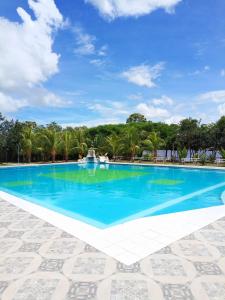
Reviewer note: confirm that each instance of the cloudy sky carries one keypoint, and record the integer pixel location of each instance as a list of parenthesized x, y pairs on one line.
[(89, 62)]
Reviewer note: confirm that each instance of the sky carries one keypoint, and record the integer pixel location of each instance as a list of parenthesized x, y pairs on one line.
[(91, 62)]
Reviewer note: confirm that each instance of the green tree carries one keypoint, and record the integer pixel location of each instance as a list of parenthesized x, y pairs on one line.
[(67, 141), (182, 153), (222, 153), (131, 142), (155, 142), (220, 132), (203, 159), (189, 134), (136, 118), (81, 142), (50, 142), (114, 144), (27, 140)]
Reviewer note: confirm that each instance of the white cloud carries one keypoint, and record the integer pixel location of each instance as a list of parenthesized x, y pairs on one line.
[(93, 123), (86, 46), (143, 75), (222, 73), (205, 69), (26, 51), (9, 104), (214, 96), (103, 50), (152, 112), (32, 97), (134, 8), (221, 109), (174, 119), (27, 59), (97, 62), (112, 109), (164, 100), (137, 96), (44, 97), (85, 42)]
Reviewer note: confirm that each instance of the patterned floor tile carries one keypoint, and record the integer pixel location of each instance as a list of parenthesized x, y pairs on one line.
[(89, 266), (209, 288), (9, 245), (134, 268), (195, 250), (89, 248), (165, 250), (15, 265), (41, 286), (177, 292), (169, 268), (41, 262), (62, 248), (82, 291), (30, 247), (14, 234), (4, 224), (41, 234), (212, 236), (221, 249), (207, 268), (3, 286), (51, 265), (214, 290), (129, 287)]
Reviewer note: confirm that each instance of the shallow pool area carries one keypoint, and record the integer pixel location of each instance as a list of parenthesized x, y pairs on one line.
[(106, 195)]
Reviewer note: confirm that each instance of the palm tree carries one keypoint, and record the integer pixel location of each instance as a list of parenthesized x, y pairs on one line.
[(50, 139), (114, 144), (155, 141), (80, 142), (27, 142), (66, 143), (131, 141), (182, 153)]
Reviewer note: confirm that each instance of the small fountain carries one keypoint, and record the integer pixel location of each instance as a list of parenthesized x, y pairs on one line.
[(91, 158)]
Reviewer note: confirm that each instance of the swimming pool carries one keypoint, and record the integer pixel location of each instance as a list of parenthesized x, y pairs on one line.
[(105, 195)]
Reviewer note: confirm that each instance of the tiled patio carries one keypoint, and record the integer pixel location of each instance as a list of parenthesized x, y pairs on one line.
[(41, 262)]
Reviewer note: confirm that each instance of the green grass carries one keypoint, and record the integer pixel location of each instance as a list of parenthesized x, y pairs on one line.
[(17, 183), (96, 176), (166, 182)]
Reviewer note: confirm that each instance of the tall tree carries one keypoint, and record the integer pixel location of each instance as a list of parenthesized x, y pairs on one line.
[(50, 141), (155, 141), (131, 141), (136, 118), (27, 140), (66, 143), (188, 134), (81, 141), (114, 144)]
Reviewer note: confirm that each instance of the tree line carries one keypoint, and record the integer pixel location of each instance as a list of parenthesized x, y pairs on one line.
[(30, 142)]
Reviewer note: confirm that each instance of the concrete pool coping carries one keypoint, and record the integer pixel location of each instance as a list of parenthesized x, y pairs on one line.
[(127, 242), (131, 241), (210, 167)]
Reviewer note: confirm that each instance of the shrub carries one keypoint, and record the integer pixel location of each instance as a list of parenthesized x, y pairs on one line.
[(203, 159), (182, 153), (212, 158)]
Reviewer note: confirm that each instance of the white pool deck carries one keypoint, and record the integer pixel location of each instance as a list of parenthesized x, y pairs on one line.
[(133, 240)]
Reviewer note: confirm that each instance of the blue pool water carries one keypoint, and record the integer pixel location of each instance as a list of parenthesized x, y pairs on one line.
[(107, 195)]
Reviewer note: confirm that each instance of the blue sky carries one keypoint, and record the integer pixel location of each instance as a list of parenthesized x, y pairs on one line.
[(90, 62)]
